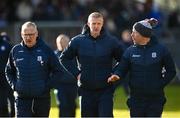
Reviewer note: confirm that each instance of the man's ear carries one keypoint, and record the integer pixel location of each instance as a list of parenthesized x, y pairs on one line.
[(88, 24), (37, 33)]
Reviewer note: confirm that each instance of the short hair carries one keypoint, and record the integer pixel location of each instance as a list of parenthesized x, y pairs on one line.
[(61, 41), (29, 24), (95, 15), (62, 37)]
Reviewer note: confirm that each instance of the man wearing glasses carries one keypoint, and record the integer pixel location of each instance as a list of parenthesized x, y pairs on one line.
[(31, 69)]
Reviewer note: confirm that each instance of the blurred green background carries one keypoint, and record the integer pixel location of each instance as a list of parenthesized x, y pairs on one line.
[(171, 109)]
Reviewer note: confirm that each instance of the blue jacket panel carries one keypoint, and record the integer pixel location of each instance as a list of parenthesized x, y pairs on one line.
[(5, 48), (33, 71), (95, 57), (151, 67)]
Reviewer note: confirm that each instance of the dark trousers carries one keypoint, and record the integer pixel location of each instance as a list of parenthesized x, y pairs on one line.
[(3, 104), (146, 107), (97, 103), (66, 99), (32, 107), (11, 102), (4, 92)]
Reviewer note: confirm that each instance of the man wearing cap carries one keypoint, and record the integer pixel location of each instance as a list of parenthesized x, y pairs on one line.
[(151, 68)]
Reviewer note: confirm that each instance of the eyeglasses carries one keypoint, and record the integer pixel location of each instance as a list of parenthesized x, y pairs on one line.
[(29, 35)]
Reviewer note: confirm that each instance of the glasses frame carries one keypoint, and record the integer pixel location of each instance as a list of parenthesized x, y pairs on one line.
[(28, 35)]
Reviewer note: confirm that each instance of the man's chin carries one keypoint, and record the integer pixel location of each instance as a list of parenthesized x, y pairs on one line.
[(29, 45)]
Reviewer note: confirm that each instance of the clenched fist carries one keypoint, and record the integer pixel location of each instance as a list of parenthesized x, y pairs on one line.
[(113, 78)]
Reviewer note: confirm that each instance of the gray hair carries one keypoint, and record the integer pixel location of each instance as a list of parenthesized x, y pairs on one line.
[(95, 15), (29, 24)]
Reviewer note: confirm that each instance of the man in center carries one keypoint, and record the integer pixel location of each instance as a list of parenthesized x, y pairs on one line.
[(95, 50)]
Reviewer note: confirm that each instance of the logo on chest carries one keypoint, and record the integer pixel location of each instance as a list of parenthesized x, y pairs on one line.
[(136, 55), (3, 48), (40, 60), (154, 54), (19, 59)]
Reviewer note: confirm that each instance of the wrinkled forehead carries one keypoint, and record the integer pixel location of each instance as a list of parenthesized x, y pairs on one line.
[(95, 16), (28, 29), (93, 19)]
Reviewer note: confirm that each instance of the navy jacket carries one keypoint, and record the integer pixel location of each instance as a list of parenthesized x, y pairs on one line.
[(5, 48), (151, 68), (73, 80), (31, 72), (95, 57)]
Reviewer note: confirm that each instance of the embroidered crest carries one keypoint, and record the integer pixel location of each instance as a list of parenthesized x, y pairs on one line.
[(39, 58), (3, 48), (154, 54)]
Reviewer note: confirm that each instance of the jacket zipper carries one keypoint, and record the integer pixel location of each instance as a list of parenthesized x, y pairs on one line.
[(144, 60), (94, 44), (30, 62)]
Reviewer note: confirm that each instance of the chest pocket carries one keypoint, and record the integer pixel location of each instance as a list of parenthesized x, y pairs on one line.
[(39, 59), (137, 58), (21, 60), (29, 60), (153, 57), (146, 58)]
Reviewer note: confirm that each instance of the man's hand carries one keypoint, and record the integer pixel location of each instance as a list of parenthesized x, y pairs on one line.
[(79, 76), (113, 78)]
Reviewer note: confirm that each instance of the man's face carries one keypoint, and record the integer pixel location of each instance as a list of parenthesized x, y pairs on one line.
[(29, 35), (95, 25), (136, 37)]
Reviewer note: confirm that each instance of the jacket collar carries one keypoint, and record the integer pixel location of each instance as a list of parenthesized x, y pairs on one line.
[(86, 31), (38, 43)]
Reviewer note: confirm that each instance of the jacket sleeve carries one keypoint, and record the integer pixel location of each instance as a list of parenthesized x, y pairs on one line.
[(123, 66), (10, 71), (170, 70), (118, 50), (68, 55), (59, 73)]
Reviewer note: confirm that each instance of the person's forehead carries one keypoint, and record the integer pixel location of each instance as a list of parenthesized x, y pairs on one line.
[(93, 19), (28, 29)]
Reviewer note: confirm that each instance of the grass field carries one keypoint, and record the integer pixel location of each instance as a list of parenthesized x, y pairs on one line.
[(171, 109)]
